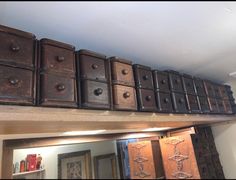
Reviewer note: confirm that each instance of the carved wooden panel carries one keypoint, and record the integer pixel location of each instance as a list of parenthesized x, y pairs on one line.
[(178, 158)]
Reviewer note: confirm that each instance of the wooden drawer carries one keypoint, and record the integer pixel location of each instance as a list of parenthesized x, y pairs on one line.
[(57, 57), (179, 103), (203, 170), (124, 98), (193, 104), (143, 77), (122, 72), (57, 91), (175, 79), (161, 81), (209, 88), (16, 49), (213, 105), (146, 100), (199, 87), (164, 102), (17, 86), (188, 84), (223, 92), (204, 104), (227, 106), (93, 66), (220, 106), (216, 88), (95, 95)]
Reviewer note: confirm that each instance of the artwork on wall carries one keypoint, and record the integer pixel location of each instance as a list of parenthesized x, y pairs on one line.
[(105, 166), (74, 165)]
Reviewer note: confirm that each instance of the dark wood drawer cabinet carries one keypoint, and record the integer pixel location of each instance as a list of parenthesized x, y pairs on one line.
[(175, 79), (122, 72), (146, 100), (188, 84), (57, 91), (57, 59), (216, 88), (124, 97), (164, 102), (199, 87), (204, 104), (223, 92), (93, 65), (193, 104), (17, 85), (95, 94), (179, 102), (209, 88), (220, 105), (143, 77), (17, 48), (161, 81), (57, 83), (213, 105), (227, 106)]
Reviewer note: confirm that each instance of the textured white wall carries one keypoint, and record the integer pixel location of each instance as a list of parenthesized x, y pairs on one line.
[(225, 136), (49, 154)]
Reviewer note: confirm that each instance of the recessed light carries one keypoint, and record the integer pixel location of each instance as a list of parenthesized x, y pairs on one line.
[(156, 129), (73, 133)]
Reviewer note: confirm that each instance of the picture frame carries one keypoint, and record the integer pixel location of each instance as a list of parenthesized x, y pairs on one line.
[(105, 166), (75, 165)]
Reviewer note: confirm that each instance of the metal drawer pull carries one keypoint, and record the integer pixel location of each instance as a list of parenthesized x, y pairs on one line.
[(177, 81), (148, 98), (125, 71), (163, 81), (94, 66), (13, 81), (60, 58), (145, 77), (98, 91), (61, 87), (166, 100), (126, 95), (181, 100), (15, 48)]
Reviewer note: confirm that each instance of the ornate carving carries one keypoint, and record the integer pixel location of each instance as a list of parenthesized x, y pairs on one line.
[(139, 159)]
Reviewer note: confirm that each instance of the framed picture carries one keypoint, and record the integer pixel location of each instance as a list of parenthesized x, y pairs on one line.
[(105, 166), (75, 165)]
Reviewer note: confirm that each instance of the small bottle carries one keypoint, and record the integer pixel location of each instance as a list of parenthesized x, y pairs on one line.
[(22, 166), (38, 161)]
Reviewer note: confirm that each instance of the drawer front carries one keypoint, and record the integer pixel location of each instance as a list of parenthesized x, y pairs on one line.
[(58, 91), (204, 104), (143, 78), (57, 59), (16, 50), (220, 105), (17, 85), (227, 107), (124, 98), (122, 74), (199, 87), (213, 105), (176, 83), (223, 92), (217, 91), (189, 86), (161, 82), (180, 104), (209, 89), (93, 68), (193, 103), (146, 100), (164, 102), (95, 95), (203, 170)]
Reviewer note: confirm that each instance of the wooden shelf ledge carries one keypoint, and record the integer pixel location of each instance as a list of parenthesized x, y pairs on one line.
[(26, 119)]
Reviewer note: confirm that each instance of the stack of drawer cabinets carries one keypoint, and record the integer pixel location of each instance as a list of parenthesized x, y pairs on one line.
[(93, 75), (52, 73), (145, 88), (17, 67), (124, 94), (57, 81)]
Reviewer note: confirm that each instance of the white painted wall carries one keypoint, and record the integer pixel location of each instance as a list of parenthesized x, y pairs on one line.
[(49, 154), (225, 136)]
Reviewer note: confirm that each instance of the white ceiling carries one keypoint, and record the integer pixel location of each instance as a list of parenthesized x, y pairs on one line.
[(198, 38)]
